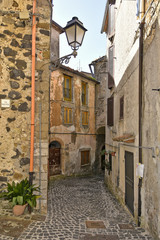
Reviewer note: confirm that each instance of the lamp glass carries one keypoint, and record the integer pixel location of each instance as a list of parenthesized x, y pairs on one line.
[(79, 35), (75, 33)]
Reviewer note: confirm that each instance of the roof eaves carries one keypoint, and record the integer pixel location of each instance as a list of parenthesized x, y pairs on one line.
[(79, 73), (57, 27), (105, 17)]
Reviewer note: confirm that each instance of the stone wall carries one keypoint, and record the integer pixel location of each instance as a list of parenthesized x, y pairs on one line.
[(15, 82), (100, 72), (151, 132)]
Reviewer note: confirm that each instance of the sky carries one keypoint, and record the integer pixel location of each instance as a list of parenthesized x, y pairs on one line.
[(90, 13)]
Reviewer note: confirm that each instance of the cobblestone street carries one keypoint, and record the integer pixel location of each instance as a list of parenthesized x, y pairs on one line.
[(82, 208)]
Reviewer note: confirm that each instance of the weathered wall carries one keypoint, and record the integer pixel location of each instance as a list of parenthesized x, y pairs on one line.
[(128, 125), (151, 132), (74, 137), (15, 82), (126, 25)]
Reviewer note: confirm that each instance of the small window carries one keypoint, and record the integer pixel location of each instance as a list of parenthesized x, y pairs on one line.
[(84, 93), (84, 118), (110, 111), (111, 67), (67, 115), (67, 88), (122, 107), (85, 157)]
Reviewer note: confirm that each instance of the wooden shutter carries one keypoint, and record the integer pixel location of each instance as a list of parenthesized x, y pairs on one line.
[(121, 107), (110, 111), (111, 67), (111, 21)]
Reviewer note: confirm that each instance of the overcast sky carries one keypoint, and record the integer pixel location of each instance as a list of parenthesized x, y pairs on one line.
[(91, 13)]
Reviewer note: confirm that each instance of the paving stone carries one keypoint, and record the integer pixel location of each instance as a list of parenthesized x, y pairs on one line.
[(72, 202)]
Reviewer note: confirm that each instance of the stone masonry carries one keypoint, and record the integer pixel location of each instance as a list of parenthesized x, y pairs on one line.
[(15, 90)]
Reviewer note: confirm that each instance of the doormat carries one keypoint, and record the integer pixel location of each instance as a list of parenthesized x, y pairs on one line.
[(38, 217), (125, 226), (99, 237), (95, 224), (12, 227)]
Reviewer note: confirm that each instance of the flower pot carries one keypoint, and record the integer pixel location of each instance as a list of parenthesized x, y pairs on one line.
[(19, 209)]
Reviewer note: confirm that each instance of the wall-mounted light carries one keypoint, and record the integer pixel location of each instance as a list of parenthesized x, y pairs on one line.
[(75, 32)]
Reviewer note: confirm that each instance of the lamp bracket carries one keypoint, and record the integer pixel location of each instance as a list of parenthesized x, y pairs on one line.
[(55, 64)]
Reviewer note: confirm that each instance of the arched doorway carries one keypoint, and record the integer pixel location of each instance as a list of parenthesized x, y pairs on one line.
[(54, 158)]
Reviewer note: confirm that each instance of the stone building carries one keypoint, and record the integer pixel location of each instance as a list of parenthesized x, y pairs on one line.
[(99, 71), (132, 123), (72, 122), (15, 91)]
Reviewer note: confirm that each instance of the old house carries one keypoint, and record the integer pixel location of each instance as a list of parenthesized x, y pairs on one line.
[(24, 119), (132, 129), (72, 122)]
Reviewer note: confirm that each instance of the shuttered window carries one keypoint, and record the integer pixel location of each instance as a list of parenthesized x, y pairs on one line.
[(84, 93), (67, 88), (67, 115), (111, 21), (110, 111), (122, 107), (111, 67), (85, 159), (84, 118)]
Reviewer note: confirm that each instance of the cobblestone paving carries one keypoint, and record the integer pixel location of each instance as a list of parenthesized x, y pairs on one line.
[(73, 201)]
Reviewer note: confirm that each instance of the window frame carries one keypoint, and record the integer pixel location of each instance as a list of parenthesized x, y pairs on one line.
[(85, 87), (65, 88), (85, 119), (67, 119), (121, 111), (110, 111)]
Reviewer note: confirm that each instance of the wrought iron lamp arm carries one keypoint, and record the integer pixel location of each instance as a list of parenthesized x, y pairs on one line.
[(65, 59)]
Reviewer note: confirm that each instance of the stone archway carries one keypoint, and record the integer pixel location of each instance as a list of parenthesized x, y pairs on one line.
[(100, 143), (54, 158)]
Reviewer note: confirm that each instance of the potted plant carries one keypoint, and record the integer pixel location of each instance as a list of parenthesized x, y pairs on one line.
[(21, 194)]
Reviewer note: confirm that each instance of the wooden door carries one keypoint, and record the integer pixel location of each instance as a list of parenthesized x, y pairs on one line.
[(54, 161), (129, 181)]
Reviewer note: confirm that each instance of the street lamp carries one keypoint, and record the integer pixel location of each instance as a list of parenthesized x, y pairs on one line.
[(75, 32)]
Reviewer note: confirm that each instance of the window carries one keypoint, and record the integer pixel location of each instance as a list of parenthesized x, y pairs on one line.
[(84, 118), (85, 157), (84, 93), (110, 111), (122, 107), (111, 67), (111, 21), (67, 89), (67, 115)]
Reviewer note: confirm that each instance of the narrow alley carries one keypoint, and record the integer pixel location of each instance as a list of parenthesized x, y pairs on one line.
[(82, 208)]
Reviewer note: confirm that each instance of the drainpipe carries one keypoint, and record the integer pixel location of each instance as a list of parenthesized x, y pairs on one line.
[(33, 94), (140, 105)]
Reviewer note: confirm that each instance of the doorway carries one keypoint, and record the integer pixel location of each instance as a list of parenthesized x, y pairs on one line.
[(129, 181), (54, 158)]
